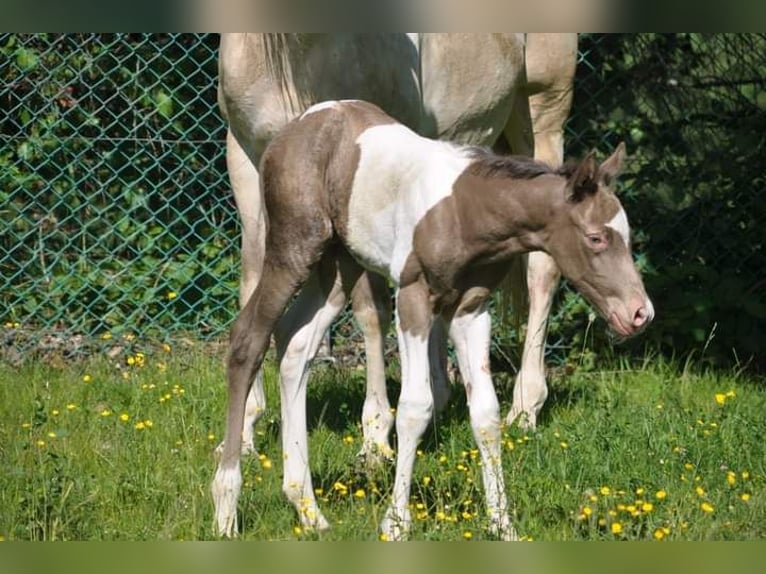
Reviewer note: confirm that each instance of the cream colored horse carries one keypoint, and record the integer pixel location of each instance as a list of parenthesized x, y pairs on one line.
[(466, 88)]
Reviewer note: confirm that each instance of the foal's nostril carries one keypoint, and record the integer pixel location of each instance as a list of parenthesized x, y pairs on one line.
[(641, 316)]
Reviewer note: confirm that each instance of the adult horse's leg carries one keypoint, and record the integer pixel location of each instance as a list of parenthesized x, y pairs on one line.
[(250, 337), (530, 389), (245, 184), (371, 303), (298, 338), (470, 331), (540, 111), (416, 404)]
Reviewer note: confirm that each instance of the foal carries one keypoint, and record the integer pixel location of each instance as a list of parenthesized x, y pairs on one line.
[(348, 189)]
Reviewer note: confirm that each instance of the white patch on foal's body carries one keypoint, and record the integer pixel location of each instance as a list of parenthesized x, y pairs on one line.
[(400, 176), (620, 224), (330, 104)]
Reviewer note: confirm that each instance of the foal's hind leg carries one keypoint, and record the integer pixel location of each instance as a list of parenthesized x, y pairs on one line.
[(246, 186), (298, 338), (250, 338), (371, 302)]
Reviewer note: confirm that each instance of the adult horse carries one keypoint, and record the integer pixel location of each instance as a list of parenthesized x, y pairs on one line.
[(347, 190), (467, 88)]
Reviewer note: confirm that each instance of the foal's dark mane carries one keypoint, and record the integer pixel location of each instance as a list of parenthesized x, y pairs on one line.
[(489, 164)]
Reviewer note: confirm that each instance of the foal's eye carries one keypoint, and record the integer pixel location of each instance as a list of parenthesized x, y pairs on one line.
[(597, 240)]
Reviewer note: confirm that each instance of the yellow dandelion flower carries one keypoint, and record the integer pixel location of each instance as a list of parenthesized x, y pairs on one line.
[(383, 537), (71, 406), (26, 425), (700, 491), (605, 491), (745, 497), (106, 413), (659, 534), (467, 535), (171, 295), (131, 361), (166, 347), (360, 493), (51, 434), (745, 475), (266, 464), (564, 444), (211, 436), (730, 394), (688, 466), (720, 398), (640, 491), (348, 439), (87, 379), (731, 478), (340, 487), (426, 480), (106, 336), (616, 528), (297, 530), (124, 417), (140, 425), (55, 412), (707, 507), (40, 443), (647, 507), (587, 510), (593, 498)]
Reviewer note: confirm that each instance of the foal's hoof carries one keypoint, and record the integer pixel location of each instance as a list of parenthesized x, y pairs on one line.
[(375, 455)]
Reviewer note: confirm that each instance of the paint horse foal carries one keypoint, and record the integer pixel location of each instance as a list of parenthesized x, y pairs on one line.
[(473, 89), (347, 188)]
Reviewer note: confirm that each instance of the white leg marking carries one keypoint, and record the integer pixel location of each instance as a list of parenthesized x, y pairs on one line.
[(412, 417), (470, 334), (377, 419), (530, 389), (297, 343), (226, 487)]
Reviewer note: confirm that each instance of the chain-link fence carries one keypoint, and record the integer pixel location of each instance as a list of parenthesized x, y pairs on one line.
[(115, 212), (116, 219)]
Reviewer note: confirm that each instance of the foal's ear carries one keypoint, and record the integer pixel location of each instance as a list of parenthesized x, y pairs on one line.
[(612, 166), (582, 182)]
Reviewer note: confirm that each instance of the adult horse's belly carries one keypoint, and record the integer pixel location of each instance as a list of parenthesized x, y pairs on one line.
[(469, 82)]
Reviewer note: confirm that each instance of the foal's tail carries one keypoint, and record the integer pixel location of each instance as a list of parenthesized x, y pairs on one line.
[(514, 298)]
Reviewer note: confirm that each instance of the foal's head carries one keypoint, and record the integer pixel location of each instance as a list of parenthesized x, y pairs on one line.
[(591, 244)]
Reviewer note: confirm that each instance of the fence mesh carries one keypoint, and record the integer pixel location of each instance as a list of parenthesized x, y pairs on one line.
[(117, 220)]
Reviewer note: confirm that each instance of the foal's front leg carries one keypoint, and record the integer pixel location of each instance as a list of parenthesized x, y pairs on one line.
[(416, 404), (470, 333)]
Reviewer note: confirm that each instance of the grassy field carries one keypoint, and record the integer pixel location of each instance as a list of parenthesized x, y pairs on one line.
[(122, 449)]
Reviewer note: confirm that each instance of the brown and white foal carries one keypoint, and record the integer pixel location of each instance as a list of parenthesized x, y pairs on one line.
[(348, 189)]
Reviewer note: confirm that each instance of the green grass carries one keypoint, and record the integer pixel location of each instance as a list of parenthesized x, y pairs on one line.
[(609, 441)]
